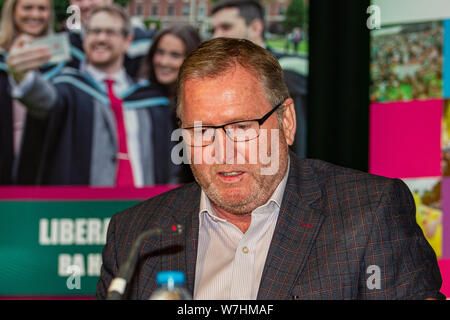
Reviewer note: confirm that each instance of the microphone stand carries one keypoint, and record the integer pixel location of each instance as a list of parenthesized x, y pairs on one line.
[(117, 287)]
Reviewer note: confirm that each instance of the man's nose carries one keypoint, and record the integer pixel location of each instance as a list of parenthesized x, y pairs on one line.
[(223, 147), (101, 36)]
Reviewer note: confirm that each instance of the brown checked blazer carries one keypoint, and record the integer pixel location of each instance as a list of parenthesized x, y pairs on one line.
[(334, 225)]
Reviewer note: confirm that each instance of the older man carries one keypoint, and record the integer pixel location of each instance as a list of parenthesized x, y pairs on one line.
[(104, 129), (299, 229)]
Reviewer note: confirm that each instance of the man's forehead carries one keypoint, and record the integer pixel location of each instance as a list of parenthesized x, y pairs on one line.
[(103, 18), (229, 14), (237, 78), (236, 88)]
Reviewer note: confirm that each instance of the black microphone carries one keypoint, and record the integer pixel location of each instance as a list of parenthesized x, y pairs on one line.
[(117, 287)]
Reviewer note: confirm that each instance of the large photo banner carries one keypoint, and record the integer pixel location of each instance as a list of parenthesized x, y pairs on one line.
[(409, 114), (63, 167)]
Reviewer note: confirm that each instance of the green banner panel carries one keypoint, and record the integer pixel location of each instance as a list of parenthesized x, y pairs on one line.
[(53, 247)]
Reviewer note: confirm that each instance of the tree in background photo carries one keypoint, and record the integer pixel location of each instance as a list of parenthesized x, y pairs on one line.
[(296, 25)]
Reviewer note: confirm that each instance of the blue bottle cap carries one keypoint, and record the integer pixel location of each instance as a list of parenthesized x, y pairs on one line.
[(170, 277)]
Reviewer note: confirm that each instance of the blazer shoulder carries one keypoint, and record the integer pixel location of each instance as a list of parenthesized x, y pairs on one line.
[(330, 172), (346, 190)]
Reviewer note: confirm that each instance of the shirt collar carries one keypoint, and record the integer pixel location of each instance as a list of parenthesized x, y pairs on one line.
[(99, 76), (276, 198)]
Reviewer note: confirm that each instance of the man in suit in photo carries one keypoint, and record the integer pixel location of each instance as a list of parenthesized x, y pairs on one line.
[(103, 128), (299, 229), (135, 52)]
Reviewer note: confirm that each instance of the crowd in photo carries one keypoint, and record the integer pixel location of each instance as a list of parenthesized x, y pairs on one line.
[(102, 116), (407, 63)]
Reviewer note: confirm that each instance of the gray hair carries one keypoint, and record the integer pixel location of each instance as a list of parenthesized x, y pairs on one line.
[(215, 57)]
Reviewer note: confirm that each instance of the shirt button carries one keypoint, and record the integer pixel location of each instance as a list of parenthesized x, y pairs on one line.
[(245, 250)]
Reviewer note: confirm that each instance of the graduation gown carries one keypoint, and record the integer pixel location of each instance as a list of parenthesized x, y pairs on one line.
[(69, 153), (34, 130)]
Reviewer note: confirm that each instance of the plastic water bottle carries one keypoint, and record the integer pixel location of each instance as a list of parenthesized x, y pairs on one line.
[(171, 286)]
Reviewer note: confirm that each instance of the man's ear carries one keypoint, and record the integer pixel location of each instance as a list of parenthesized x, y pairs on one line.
[(289, 121), (256, 29), (128, 42)]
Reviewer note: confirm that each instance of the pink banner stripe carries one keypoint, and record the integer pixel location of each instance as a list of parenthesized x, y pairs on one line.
[(444, 266), (445, 202), (405, 138), (79, 193)]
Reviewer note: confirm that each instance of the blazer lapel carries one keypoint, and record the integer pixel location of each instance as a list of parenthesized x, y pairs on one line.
[(298, 224), (100, 97), (174, 251), (191, 244), (108, 117), (186, 258)]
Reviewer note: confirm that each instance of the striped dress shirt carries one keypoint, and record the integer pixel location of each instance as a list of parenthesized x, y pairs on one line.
[(230, 263), (122, 83)]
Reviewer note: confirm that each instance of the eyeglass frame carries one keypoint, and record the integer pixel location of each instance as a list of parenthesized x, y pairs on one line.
[(260, 122), (110, 32)]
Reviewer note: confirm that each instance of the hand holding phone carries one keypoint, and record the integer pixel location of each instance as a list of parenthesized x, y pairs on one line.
[(23, 57), (58, 44)]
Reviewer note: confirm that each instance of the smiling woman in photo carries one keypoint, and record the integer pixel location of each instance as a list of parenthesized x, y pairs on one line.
[(169, 48), (30, 18)]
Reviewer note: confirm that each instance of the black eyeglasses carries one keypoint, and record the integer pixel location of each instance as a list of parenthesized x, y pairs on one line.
[(110, 32), (237, 131)]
